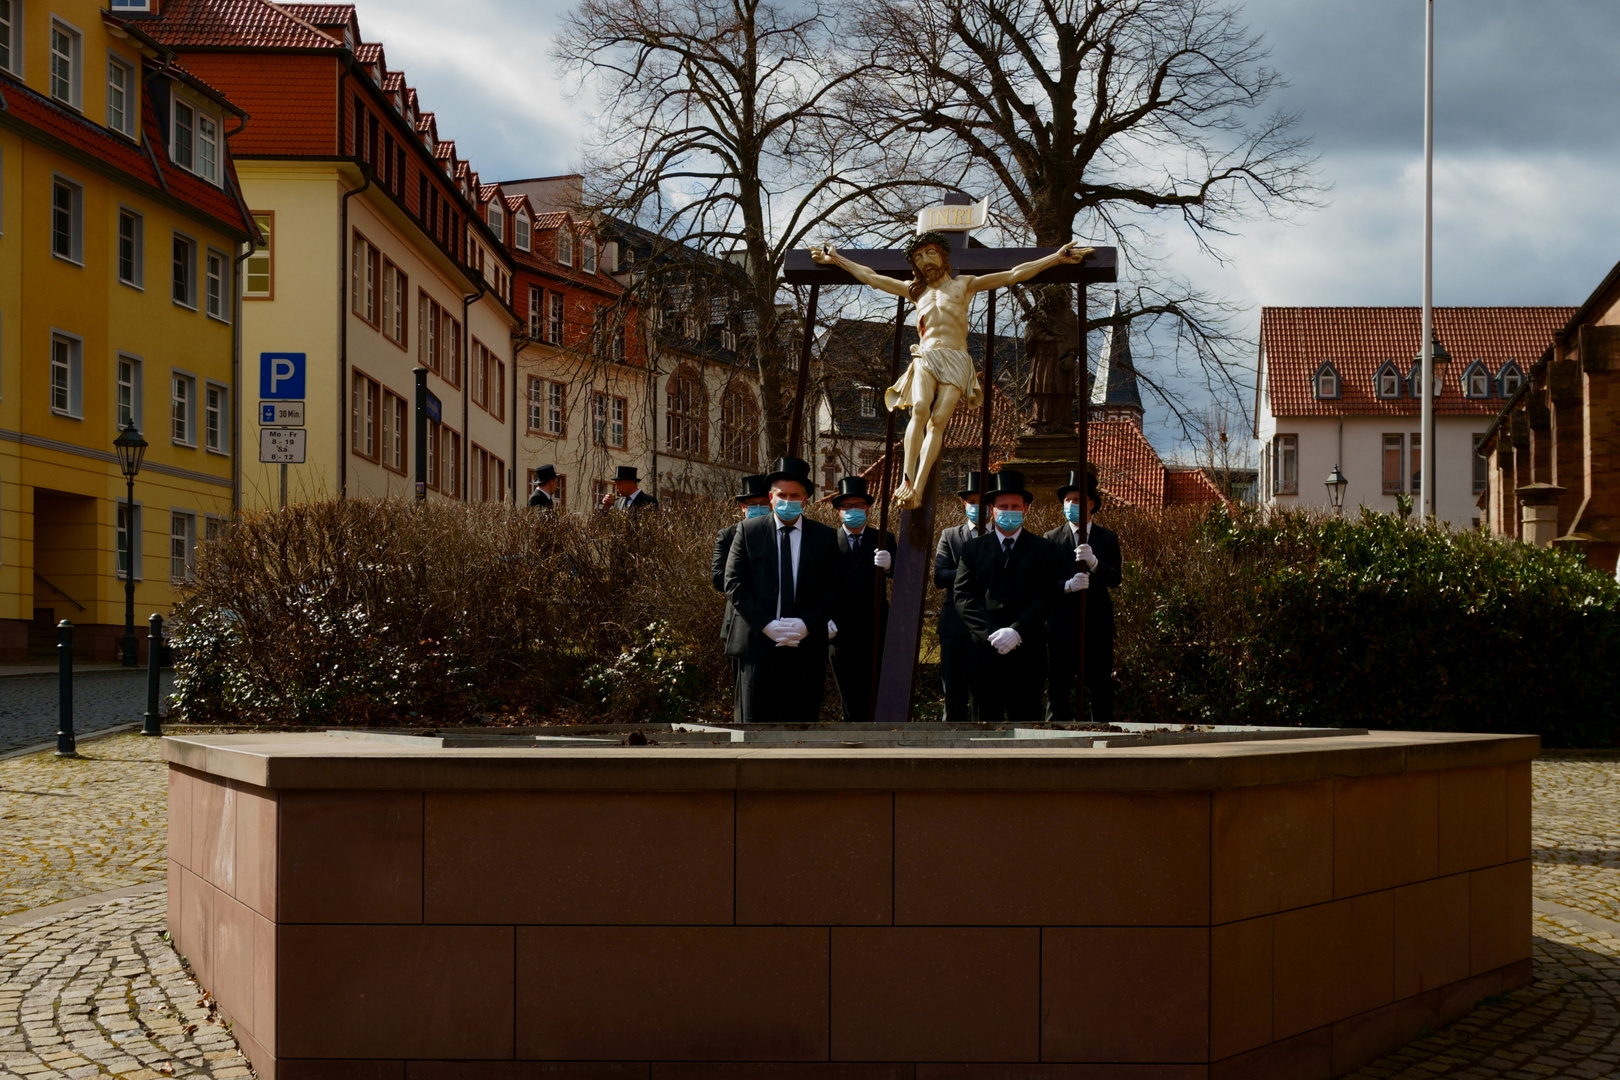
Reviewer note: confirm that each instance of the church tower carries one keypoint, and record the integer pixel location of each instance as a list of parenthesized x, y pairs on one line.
[(1114, 394)]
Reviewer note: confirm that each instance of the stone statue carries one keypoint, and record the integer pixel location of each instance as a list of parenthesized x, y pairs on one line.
[(1051, 346), (941, 375)]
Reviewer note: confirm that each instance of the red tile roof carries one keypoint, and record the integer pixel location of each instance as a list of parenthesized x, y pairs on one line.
[(251, 24), (1129, 470), (323, 14), (291, 103), (1184, 487), (66, 126), (1358, 340), (368, 52), (553, 220), (486, 192)]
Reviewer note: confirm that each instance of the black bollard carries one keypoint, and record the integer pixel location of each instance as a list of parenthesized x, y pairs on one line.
[(154, 649), (65, 745)]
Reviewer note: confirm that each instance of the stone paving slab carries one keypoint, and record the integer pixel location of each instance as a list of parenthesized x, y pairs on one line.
[(102, 698)]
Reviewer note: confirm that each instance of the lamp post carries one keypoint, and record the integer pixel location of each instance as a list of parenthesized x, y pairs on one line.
[(131, 449), (1432, 372), (1336, 484)]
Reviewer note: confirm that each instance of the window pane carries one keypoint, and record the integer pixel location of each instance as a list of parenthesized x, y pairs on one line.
[(62, 220), (61, 65), (184, 121), (180, 410), (1393, 467), (1480, 464), (215, 418), (182, 271), (117, 95), (61, 375), (216, 286), (6, 23), (1417, 462)]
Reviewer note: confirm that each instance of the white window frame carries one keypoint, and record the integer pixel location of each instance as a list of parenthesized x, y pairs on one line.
[(565, 245), (588, 262), (1477, 373), (1381, 379), (1392, 441), (73, 60), (1510, 370), (495, 218), (209, 147), (537, 312), (70, 362), (266, 252), (1282, 445), (132, 527), (134, 384), (131, 5), (137, 243), (216, 420), (117, 65), (217, 290), (11, 36), (75, 190), (190, 291), (187, 519), (182, 413), (555, 314), (1481, 470), (868, 395), (522, 231)]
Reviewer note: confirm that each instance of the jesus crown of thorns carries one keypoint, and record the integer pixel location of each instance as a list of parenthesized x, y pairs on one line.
[(927, 239)]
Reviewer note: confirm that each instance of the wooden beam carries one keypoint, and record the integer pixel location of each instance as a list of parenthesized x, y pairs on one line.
[(1100, 265)]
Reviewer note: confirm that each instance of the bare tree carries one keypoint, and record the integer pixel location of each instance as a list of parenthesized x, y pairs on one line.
[(1099, 119), (721, 130)]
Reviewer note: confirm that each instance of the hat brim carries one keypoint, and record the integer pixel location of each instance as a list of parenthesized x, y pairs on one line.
[(809, 485), (1029, 497), (835, 498)]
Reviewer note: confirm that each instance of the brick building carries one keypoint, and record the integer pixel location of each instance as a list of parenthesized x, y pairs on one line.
[(1553, 451)]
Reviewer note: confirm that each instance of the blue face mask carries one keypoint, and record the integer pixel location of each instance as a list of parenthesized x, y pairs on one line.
[(1009, 520), (855, 519), (972, 513), (1072, 512), (788, 511), (756, 511)]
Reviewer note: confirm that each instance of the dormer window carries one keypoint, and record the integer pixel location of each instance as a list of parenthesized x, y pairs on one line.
[(495, 218), (1417, 381), (1327, 381), (522, 231), (194, 141), (590, 255), (1477, 381), (565, 245), (1510, 377), (1387, 383)]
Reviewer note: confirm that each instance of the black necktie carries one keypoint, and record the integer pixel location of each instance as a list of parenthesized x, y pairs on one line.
[(1006, 548), (787, 574)]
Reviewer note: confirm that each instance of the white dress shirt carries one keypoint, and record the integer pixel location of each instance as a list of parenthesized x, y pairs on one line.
[(795, 536)]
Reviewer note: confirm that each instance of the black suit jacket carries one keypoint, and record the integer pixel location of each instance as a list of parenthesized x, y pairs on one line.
[(946, 558), (541, 501), (995, 591), (752, 584), (717, 573), (853, 614), (1099, 601)]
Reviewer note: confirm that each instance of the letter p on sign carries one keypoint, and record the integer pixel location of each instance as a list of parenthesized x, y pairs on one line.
[(281, 375)]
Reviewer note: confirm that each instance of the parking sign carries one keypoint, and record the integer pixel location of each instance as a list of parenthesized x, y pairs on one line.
[(281, 375)]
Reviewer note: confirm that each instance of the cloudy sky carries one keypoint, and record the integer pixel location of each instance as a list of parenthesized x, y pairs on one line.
[(1526, 150)]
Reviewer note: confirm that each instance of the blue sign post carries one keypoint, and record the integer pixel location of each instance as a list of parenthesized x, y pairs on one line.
[(281, 376)]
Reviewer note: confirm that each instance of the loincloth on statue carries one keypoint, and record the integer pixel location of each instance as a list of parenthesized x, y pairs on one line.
[(949, 367)]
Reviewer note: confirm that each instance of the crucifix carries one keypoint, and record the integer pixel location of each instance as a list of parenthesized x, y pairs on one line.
[(940, 377)]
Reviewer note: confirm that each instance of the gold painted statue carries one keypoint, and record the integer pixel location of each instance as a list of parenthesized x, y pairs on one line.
[(941, 375)]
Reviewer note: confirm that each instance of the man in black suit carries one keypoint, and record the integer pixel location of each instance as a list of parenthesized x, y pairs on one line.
[(1005, 584), (753, 502), (955, 643), (866, 564), (627, 493), (783, 576), (1093, 565), (545, 488)]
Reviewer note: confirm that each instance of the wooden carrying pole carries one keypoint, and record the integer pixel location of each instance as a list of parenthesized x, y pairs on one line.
[(883, 509), (989, 406), (796, 428), (1081, 402)]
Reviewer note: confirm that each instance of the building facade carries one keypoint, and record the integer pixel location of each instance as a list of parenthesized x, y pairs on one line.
[(121, 233), (376, 260), (1553, 452), (1339, 386)]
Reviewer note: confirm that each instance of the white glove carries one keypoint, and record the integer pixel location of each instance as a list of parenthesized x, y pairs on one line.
[(776, 630), (1084, 554), (882, 560), (832, 629), (1077, 583), (796, 629), (1005, 640)]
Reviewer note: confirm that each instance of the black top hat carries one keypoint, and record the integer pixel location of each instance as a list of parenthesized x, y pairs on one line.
[(628, 473), (545, 474), (791, 468), (754, 487), (972, 485), (850, 487), (1074, 482), (1008, 482)]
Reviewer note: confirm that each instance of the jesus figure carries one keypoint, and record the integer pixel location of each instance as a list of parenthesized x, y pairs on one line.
[(941, 374)]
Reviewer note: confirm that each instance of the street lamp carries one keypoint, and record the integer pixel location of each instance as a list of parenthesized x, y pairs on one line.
[(131, 449), (1336, 483)]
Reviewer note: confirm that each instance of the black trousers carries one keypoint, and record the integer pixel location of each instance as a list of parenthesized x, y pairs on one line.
[(1063, 659), (785, 686), (1007, 688), (852, 669), (955, 657)]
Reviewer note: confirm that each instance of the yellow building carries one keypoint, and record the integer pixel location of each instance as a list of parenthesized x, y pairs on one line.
[(120, 233)]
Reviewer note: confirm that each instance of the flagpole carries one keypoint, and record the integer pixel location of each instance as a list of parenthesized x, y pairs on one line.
[(1426, 509)]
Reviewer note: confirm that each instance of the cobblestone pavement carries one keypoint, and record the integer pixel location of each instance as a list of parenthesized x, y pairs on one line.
[(101, 699), (72, 827), (96, 990)]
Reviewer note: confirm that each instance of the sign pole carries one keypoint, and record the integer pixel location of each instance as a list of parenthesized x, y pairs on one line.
[(284, 485), (883, 508), (989, 404), (1081, 402), (420, 434), (796, 430)]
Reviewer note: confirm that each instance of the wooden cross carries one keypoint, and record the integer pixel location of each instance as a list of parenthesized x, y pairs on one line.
[(914, 557)]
